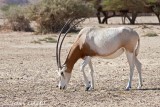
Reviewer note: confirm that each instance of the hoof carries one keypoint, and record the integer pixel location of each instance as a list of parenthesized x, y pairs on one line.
[(91, 89), (87, 88), (139, 87), (128, 88)]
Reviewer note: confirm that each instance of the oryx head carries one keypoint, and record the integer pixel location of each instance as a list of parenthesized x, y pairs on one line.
[(64, 77), (62, 69)]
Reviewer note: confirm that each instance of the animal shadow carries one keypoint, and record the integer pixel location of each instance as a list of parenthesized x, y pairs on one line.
[(148, 89)]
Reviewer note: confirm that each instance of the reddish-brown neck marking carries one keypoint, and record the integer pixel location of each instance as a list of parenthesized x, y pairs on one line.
[(77, 51), (73, 56)]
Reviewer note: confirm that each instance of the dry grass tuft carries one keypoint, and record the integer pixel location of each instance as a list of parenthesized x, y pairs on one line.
[(46, 40), (150, 34)]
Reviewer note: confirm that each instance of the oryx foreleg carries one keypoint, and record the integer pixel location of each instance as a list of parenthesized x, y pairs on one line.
[(86, 61), (92, 76)]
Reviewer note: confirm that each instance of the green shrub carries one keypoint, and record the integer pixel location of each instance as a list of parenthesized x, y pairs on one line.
[(15, 15), (51, 15)]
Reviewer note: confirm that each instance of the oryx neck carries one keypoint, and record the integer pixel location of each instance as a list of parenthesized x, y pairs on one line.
[(73, 55)]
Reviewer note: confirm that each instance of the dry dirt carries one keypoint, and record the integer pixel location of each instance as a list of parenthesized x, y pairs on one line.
[(28, 75)]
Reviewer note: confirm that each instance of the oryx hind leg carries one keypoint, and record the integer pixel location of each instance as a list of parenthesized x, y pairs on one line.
[(139, 67), (131, 61), (86, 61)]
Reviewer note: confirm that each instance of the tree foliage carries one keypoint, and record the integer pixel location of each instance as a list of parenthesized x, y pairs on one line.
[(132, 5)]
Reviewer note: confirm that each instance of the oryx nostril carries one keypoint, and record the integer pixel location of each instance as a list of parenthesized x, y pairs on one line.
[(64, 87), (60, 87)]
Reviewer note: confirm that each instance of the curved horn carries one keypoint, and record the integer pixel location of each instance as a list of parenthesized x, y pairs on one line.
[(65, 36), (57, 46)]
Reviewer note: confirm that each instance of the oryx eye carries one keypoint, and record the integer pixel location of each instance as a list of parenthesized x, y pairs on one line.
[(62, 74)]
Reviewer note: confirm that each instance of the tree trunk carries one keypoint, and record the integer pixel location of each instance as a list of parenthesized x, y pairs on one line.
[(99, 17), (105, 19), (133, 17), (123, 19), (158, 16), (124, 15)]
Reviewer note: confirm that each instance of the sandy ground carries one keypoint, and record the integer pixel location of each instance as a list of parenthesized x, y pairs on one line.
[(28, 75)]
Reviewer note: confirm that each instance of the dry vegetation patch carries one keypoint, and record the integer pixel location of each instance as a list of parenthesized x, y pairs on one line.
[(16, 18), (150, 34), (46, 40)]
